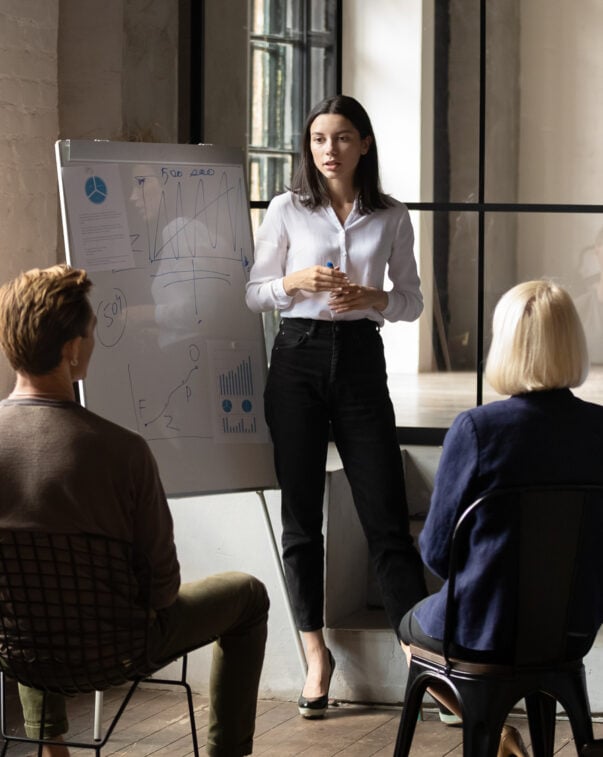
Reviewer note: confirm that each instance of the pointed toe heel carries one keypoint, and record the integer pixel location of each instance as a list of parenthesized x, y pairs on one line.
[(313, 709)]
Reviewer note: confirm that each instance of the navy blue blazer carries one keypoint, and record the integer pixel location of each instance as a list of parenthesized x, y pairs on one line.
[(535, 438)]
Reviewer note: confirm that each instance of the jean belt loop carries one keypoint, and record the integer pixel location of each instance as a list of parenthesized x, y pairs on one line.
[(312, 328)]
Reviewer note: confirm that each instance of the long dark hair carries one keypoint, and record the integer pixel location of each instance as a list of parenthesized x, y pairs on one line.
[(309, 184)]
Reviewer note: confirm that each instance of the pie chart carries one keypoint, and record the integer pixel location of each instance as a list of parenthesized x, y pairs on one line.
[(96, 190)]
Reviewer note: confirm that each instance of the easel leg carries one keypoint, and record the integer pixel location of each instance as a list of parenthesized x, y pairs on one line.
[(281, 575)]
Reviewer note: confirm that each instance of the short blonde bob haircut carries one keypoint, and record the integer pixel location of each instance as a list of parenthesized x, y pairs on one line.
[(41, 310), (538, 342)]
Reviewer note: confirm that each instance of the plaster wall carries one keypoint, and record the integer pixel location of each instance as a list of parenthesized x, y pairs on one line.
[(29, 125), (118, 72), (68, 70), (225, 73)]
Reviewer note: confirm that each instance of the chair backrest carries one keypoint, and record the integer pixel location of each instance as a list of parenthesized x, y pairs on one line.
[(73, 615), (551, 556)]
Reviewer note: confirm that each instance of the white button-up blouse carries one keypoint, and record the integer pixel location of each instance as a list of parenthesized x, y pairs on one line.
[(292, 237)]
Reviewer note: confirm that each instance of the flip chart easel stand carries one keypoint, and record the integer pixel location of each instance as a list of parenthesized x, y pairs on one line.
[(281, 577)]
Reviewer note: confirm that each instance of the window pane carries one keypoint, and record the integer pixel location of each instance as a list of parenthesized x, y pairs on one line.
[(446, 382), (276, 17), (454, 306), (274, 96), (287, 77), (431, 399), (268, 175), (322, 75), (544, 105), (322, 14), (564, 247)]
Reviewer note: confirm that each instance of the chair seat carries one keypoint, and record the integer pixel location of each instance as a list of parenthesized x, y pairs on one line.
[(454, 664)]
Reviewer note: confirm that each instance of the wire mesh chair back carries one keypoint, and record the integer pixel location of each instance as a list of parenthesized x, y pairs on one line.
[(73, 613)]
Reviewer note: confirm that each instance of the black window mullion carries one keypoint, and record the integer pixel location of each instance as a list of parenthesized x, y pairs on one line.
[(481, 214)]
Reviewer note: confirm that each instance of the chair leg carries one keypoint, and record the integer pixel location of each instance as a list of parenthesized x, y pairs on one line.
[(3, 713), (575, 702), (479, 740), (95, 746), (98, 715), (42, 723), (118, 714), (483, 714), (541, 709), (582, 728), (99, 739), (191, 715), (408, 719), (189, 698), (191, 707)]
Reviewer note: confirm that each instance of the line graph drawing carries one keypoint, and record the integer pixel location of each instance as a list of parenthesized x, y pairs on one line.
[(168, 417), (186, 216), (196, 229), (170, 410)]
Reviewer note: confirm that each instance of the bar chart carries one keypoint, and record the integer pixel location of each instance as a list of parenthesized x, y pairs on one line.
[(237, 395), (237, 382)]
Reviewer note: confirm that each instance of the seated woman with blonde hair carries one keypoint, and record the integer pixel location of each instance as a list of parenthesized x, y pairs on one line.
[(540, 434)]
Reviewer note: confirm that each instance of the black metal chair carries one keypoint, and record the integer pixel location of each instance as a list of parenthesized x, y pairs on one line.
[(74, 618), (555, 560)]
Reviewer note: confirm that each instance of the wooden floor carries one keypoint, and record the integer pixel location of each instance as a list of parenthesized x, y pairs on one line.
[(156, 723)]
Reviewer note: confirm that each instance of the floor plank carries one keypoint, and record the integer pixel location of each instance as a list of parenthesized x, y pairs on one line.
[(156, 723)]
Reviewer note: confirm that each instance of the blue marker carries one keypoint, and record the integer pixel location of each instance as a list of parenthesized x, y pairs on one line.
[(330, 264)]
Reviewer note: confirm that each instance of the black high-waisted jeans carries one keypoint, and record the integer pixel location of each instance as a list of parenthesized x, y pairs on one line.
[(333, 372)]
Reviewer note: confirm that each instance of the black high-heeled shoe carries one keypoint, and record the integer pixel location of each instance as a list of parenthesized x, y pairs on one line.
[(316, 708)]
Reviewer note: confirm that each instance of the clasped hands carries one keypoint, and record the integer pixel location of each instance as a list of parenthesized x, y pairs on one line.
[(345, 295)]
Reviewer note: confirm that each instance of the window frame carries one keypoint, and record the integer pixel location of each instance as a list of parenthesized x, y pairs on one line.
[(302, 43)]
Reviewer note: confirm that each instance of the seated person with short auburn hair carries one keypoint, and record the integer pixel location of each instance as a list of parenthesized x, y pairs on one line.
[(66, 469)]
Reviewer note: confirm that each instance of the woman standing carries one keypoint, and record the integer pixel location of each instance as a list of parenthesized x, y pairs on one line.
[(320, 259)]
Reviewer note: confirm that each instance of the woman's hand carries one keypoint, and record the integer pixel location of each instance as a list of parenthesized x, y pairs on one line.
[(317, 278), (357, 297)]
